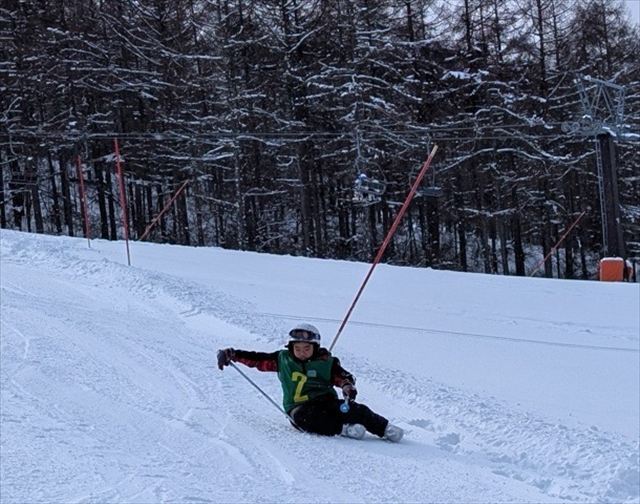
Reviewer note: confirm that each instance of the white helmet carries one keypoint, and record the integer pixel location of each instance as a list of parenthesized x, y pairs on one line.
[(304, 332)]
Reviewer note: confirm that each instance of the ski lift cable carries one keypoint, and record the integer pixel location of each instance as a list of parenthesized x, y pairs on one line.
[(434, 135), (432, 129)]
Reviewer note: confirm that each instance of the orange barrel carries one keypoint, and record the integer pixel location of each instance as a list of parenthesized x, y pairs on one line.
[(612, 269)]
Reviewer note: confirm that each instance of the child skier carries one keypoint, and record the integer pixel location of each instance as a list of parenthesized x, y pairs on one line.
[(308, 373)]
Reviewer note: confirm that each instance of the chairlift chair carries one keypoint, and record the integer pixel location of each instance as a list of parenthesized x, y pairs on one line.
[(367, 191), (373, 187)]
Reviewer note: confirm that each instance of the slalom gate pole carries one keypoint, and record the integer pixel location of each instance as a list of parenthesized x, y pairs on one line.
[(162, 212), (553, 249), (83, 199), (387, 240), (264, 394), (123, 199)]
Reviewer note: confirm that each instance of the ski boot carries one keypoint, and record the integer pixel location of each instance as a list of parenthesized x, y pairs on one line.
[(355, 431), (393, 433)]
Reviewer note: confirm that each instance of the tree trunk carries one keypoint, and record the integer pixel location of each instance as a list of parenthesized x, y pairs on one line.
[(373, 234), (305, 205), (498, 30), (343, 231), (323, 196), (583, 256), (3, 215), (54, 195), (66, 196), (462, 238), (139, 220), (199, 223), (27, 208), (568, 256), (494, 251), (102, 204), (35, 199), (467, 24), (433, 223), (148, 192), (411, 238), (501, 231), (461, 225), (557, 43), (175, 228), (570, 188), (558, 272), (518, 249), (317, 215), (161, 203), (546, 246), (504, 251), (131, 206), (424, 234), (543, 57), (184, 217), (605, 33), (113, 228), (239, 200), (544, 224), (250, 220), (484, 244)]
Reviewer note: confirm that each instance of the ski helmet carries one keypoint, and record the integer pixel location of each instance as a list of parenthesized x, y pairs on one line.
[(304, 332)]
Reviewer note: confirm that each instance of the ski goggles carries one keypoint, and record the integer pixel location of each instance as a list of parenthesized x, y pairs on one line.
[(302, 335)]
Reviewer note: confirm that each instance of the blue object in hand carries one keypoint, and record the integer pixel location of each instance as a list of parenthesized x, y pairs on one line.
[(344, 407)]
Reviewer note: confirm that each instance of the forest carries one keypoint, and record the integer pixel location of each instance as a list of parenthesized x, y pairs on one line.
[(261, 115)]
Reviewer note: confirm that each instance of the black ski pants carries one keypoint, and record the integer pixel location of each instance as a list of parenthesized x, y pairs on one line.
[(323, 416)]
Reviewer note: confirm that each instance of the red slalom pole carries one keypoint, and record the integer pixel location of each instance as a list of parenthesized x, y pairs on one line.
[(553, 249), (123, 199), (387, 240), (83, 200)]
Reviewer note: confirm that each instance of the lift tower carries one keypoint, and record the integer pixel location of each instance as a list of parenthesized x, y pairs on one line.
[(603, 119)]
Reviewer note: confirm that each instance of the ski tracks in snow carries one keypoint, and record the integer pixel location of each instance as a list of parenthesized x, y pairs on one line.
[(125, 404), (584, 465), (154, 421)]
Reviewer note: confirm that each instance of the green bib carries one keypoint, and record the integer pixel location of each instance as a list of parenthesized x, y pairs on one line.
[(303, 381)]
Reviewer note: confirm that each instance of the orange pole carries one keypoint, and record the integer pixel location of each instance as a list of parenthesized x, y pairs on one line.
[(162, 212), (553, 249), (387, 240)]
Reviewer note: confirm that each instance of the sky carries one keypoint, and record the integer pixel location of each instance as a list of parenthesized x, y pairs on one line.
[(509, 389), (633, 6)]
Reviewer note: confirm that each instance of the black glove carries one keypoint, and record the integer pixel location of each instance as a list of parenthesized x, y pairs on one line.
[(225, 356), (349, 392)]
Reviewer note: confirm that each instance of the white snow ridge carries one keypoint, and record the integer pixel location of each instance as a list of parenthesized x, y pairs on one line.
[(509, 389)]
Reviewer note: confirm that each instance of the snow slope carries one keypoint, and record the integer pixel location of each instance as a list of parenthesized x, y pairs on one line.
[(511, 389)]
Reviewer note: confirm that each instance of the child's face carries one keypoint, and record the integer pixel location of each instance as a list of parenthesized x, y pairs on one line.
[(302, 350)]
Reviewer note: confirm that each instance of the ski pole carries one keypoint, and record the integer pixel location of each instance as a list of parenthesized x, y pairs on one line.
[(265, 394), (386, 241)]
